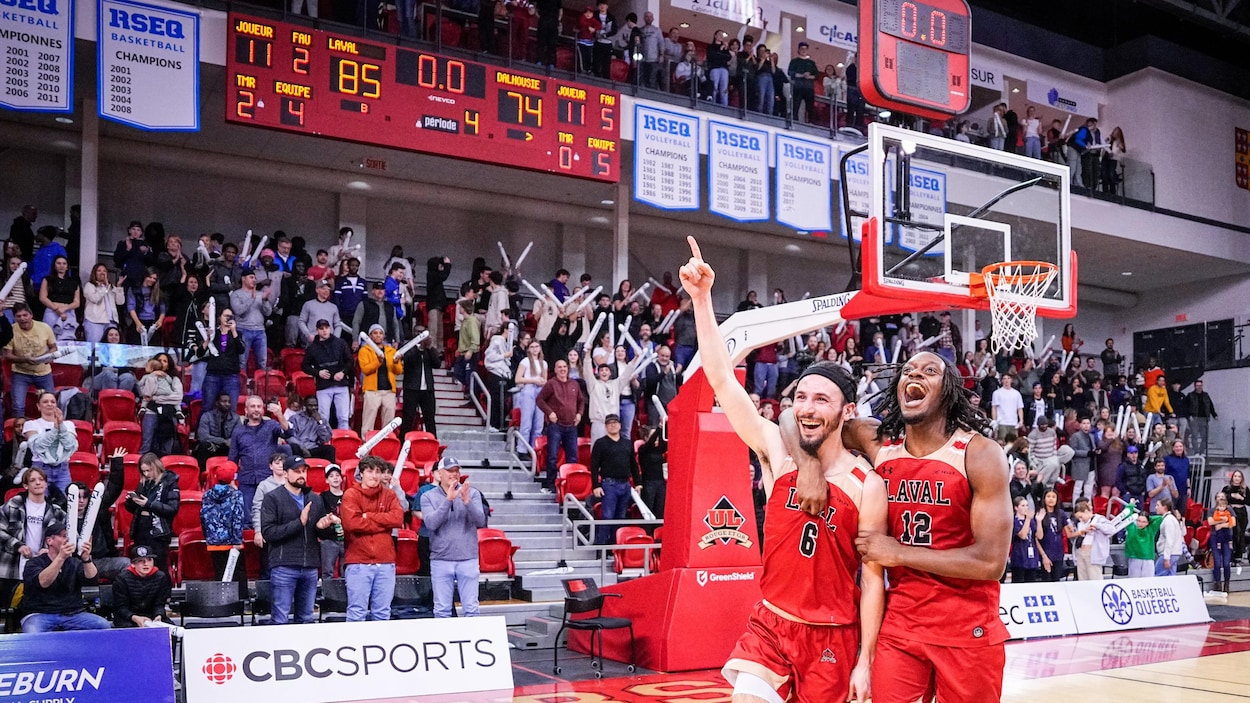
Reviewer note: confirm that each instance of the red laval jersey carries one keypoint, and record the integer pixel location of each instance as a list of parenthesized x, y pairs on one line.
[(930, 505), (810, 563)]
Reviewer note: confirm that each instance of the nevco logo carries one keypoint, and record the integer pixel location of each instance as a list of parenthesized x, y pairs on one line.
[(702, 577), (723, 520), (1055, 99), (348, 661)]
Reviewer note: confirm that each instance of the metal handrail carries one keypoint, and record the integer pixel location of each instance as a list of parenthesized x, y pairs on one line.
[(476, 380), (571, 537), (515, 461)]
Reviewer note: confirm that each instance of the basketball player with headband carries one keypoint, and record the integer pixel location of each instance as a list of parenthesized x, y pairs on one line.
[(803, 640), (949, 534)]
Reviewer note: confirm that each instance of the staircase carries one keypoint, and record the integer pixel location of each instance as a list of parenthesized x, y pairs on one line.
[(531, 518)]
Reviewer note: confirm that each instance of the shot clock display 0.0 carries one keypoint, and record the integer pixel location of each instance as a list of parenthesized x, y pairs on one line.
[(288, 77), (919, 53)]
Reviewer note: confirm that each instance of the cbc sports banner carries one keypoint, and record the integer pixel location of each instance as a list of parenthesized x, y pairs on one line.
[(804, 185), (149, 59), (345, 661), (666, 158), (737, 172), (37, 40)]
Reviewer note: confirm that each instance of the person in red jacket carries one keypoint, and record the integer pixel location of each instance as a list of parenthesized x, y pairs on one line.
[(369, 512)]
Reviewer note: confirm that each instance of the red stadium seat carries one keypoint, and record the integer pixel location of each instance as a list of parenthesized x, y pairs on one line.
[(414, 435), (1195, 513), (425, 453), (1065, 489), (86, 435), (411, 478), (407, 558), (1100, 505), (188, 470), (494, 553), (349, 471), (574, 480), (122, 433), (305, 385), (630, 558), (66, 375), (1203, 535), (292, 361), (270, 384), (251, 555), (583, 451), (388, 448), (619, 71), (188, 517), (8, 495), (193, 562), (84, 467), (345, 444), (115, 404), (317, 474), (194, 409)]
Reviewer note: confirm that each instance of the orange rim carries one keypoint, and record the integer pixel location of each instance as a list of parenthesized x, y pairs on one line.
[(976, 281)]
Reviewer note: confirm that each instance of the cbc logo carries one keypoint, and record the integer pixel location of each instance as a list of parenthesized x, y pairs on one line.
[(219, 668)]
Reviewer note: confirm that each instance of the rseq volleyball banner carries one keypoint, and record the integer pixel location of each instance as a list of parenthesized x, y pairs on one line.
[(149, 65), (804, 185), (37, 40), (737, 172), (666, 159)]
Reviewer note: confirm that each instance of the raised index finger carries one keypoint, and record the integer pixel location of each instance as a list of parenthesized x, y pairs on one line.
[(694, 247)]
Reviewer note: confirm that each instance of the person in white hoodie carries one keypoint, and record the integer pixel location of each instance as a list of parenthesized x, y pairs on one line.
[(100, 311), (1093, 533), (605, 393)]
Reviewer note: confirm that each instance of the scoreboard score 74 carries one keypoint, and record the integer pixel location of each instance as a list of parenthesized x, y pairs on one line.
[(288, 77)]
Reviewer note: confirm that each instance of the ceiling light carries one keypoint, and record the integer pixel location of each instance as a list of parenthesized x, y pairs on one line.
[(1126, 273), (607, 201), (798, 29), (793, 248), (684, 25), (600, 220), (65, 120), (358, 185), (884, 114), (1015, 90)]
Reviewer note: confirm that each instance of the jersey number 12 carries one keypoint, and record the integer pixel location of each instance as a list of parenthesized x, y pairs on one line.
[(916, 528)]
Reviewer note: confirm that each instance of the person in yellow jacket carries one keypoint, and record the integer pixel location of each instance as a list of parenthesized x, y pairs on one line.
[(1157, 398), (379, 387)]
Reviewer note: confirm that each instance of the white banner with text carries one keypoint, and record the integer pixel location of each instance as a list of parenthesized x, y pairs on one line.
[(37, 40), (804, 184), (333, 662), (666, 158), (149, 65), (1048, 609), (737, 172)]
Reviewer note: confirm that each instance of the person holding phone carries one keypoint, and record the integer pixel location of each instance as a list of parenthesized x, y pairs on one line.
[(221, 375)]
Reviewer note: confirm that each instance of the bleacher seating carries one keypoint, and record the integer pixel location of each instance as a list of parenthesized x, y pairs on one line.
[(494, 553)]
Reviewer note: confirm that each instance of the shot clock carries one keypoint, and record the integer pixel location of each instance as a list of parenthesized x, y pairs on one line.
[(919, 55), (288, 77)]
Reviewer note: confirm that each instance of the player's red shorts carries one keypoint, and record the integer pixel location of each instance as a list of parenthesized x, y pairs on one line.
[(907, 671), (812, 662)]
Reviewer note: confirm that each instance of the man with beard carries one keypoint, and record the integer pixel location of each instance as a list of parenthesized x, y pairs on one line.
[(804, 637), (949, 532)]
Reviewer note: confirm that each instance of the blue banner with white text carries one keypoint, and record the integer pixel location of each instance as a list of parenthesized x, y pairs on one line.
[(97, 666)]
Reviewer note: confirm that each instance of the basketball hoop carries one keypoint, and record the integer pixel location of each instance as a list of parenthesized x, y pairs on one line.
[(1014, 289)]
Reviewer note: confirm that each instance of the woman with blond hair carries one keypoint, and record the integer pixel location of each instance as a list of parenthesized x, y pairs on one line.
[(154, 503)]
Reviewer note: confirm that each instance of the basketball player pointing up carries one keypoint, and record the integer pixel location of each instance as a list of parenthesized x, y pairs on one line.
[(803, 640), (949, 533)]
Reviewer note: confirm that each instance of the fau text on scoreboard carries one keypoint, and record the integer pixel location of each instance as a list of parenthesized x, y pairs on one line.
[(288, 77)]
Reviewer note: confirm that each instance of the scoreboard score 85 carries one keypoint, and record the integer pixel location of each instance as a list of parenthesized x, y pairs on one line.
[(292, 78)]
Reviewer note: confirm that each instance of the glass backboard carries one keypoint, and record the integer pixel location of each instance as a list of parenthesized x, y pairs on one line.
[(945, 209)]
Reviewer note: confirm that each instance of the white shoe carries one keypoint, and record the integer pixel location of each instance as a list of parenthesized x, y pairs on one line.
[(545, 491)]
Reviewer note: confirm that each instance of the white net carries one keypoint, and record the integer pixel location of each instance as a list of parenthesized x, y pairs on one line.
[(1014, 289)]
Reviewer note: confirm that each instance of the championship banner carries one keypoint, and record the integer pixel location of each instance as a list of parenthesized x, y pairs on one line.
[(37, 40), (666, 159), (149, 63), (859, 187), (1131, 604), (1035, 609), (91, 666), (928, 205), (737, 166), (804, 185), (345, 661)]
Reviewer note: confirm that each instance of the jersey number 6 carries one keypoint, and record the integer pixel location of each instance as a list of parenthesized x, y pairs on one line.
[(807, 542)]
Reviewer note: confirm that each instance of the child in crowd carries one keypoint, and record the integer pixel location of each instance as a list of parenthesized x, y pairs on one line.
[(276, 480), (1222, 525), (332, 498), (1093, 541), (1139, 544), (1026, 532), (223, 521), (1052, 520)]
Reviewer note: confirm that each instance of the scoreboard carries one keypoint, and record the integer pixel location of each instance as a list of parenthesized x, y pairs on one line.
[(919, 53), (289, 77)]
